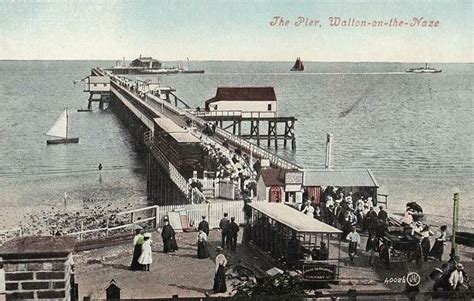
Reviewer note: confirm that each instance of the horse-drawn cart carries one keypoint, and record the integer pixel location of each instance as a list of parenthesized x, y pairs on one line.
[(401, 245)]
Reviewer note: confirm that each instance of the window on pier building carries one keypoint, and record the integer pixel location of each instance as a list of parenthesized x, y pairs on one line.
[(215, 107), (95, 85), (269, 106), (105, 85)]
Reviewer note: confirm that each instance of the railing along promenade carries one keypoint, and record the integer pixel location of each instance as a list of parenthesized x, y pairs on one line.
[(106, 230)]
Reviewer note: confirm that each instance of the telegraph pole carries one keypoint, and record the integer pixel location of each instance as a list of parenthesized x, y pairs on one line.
[(456, 200)]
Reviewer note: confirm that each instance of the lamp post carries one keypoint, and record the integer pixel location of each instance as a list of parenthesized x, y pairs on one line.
[(456, 200)]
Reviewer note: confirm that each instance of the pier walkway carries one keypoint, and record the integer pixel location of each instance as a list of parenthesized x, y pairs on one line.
[(146, 107)]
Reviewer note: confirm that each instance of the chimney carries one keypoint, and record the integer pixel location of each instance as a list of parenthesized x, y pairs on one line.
[(328, 151)]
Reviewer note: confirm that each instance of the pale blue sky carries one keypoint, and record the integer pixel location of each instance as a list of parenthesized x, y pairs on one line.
[(233, 30)]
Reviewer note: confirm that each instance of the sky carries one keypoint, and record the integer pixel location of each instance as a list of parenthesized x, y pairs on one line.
[(236, 30)]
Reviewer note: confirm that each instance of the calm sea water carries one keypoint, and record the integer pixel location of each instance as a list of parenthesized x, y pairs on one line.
[(414, 131)]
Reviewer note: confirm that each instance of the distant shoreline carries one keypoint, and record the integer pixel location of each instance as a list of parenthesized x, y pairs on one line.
[(238, 61)]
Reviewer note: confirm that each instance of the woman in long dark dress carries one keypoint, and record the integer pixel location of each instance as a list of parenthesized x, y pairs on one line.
[(137, 251), (219, 278), (169, 240), (202, 251), (438, 247)]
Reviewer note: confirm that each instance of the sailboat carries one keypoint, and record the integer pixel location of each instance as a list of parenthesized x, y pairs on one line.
[(60, 131), (298, 66)]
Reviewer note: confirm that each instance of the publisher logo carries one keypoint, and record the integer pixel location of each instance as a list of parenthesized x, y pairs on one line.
[(413, 279)]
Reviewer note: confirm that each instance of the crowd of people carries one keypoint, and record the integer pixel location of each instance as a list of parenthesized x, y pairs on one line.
[(356, 212), (142, 257)]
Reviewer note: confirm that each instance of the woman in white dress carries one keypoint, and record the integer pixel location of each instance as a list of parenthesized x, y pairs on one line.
[(146, 257)]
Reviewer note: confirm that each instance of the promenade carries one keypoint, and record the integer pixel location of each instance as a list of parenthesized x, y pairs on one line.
[(181, 273)]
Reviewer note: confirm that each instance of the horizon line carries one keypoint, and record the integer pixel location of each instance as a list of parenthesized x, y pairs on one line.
[(237, 60)]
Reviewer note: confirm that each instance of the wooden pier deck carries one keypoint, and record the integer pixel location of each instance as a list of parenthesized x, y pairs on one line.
[(146, 107)]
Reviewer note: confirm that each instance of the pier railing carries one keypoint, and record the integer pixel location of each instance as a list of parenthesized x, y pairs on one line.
[(133, 221), (246, 145), (232, 139), (173, 173)]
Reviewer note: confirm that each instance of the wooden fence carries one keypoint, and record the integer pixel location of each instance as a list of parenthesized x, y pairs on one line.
[(148, 215), (152, 217), (213, 211)]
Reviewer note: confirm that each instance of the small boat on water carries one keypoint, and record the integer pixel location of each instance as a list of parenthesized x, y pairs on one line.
[(298, 66), (60, 131), (425, 69), (187, 69)]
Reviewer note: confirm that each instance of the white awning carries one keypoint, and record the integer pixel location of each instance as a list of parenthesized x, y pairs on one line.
[(293, 218)]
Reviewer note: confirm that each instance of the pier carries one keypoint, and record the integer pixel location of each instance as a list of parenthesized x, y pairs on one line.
[(173, 135)]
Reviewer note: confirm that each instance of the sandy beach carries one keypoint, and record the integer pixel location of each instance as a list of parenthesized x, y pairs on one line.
[(68, 216)]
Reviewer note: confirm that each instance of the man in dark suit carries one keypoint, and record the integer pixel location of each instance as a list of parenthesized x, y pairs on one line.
[(224, 226), (204, 225), (233, 232)]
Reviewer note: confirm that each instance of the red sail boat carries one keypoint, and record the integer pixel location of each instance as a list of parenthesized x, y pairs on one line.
[(298, 66)]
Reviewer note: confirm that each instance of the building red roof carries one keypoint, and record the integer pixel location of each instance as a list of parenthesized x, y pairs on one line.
[(273, 176), (243, 94)]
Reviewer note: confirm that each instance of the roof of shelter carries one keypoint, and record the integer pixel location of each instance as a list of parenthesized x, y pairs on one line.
[(273, 176), (293, 218), (243, 94), (174, 130), (340, 178)]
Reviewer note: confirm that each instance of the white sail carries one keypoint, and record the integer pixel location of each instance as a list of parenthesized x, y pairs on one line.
[(59, 128)]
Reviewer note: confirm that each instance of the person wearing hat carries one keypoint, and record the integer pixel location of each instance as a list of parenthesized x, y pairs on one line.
[(456, 279), (354, 243), (371, 218), (224, 226), (438, 247), (233, 233), (202, 251), (320, 254), (382, 215), (308, 209), (204, 225), (169, 240), (219, 277), (349, 200), (146, 258), (137, 250)]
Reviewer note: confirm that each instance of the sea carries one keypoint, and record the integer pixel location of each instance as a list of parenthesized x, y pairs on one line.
[(415, 132)]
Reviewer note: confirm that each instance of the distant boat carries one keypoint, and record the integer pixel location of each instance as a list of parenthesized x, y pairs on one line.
[(298, 66), (425, 69), (165, 70), (187, 69), (60, 131)]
